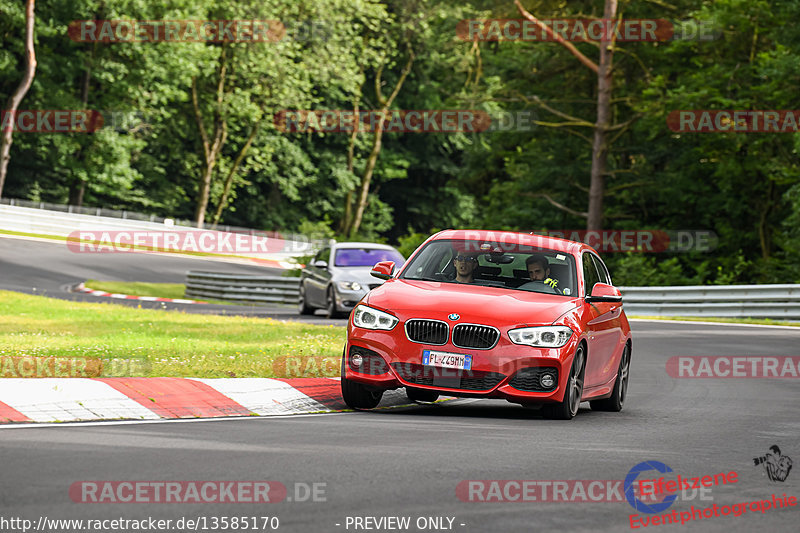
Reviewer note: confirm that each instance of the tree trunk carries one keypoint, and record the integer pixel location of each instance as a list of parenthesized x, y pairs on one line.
[(211, 149), (597, 183), (347, 218), (366, 178), (229, 179), (19, 94), (77, 188)]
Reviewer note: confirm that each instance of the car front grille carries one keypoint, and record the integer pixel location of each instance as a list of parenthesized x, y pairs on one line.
[(427, 331), (475, 336), (527, 379), (476, 380)]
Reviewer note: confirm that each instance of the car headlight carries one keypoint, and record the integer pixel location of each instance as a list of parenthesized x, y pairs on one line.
[(545, 336), (369, 318), (349, 286)]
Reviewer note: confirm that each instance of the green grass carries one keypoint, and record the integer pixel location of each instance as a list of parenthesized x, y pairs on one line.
[(759, 321), (164, 343)]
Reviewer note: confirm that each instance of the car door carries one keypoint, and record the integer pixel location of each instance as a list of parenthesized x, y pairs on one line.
[(318, 277), (604, 326)]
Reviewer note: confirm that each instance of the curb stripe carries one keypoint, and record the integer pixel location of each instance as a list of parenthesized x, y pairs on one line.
[(177, 397), (93, 292), (9, 414), (265, 396), (326, 391)]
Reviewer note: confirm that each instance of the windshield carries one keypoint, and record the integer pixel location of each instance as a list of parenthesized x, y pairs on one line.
[(510, 266), (362, 257)]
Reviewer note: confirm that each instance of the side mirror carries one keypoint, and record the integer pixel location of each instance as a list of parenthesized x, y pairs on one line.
[(383, 270), (321, 264), (603, 292)]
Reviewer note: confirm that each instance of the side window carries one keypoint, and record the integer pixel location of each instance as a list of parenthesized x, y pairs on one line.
[(602, 271), (590, 276)]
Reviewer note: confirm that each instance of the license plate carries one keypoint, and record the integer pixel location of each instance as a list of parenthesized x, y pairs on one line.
[(447, 360)]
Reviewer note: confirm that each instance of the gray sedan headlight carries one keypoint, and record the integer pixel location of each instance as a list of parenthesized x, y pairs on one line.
[(369, 318), (544, 337), (349, 286)]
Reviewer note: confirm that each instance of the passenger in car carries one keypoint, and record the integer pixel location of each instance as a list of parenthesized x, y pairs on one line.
[(539, 270)]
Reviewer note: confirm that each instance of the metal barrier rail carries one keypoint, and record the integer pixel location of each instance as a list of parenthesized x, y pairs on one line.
[(243, 289), (734, 301), (63, 224), (737, 301)]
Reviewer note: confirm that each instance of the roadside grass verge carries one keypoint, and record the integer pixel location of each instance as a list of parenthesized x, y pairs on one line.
[(758, 321), (158, 343)]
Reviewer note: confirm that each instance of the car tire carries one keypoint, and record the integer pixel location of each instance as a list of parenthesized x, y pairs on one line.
[(359, 396), (302, 306), (421, 395), (614, 402), (331, 305), (567, 408)]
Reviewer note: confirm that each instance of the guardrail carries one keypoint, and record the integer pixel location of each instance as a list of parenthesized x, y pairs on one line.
[(126, 215), (735, 301), (243, 289), (62, 224)]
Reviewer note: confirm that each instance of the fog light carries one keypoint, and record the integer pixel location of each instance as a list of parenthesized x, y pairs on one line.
[(356, 359), (547, 381)]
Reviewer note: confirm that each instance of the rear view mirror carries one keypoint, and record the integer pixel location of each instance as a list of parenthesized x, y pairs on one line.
[(321, 264), (603, 292), (383, 270)]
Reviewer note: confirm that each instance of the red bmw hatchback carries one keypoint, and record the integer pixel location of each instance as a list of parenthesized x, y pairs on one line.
[(530, 319)]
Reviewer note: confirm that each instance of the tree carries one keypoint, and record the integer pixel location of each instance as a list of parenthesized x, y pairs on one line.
[(602, 126), (19, 94)]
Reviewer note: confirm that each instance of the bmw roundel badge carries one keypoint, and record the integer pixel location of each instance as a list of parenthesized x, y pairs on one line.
[(453, 316)]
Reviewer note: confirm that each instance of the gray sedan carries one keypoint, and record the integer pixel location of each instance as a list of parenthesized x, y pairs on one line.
[(339, 276)]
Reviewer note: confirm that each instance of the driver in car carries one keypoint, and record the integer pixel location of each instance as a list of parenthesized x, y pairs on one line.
[(465, 267), (539, 270)]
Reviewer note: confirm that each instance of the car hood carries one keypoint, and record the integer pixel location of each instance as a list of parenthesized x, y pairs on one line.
[(490, 305)]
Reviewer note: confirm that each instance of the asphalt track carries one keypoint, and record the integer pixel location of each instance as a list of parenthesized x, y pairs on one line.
[(49, 268), (408, 462)]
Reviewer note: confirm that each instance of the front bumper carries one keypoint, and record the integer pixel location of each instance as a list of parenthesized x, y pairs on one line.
[(507, 371)]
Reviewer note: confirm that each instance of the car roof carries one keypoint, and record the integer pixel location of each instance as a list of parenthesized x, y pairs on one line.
[(500, 236), (363, 245)]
